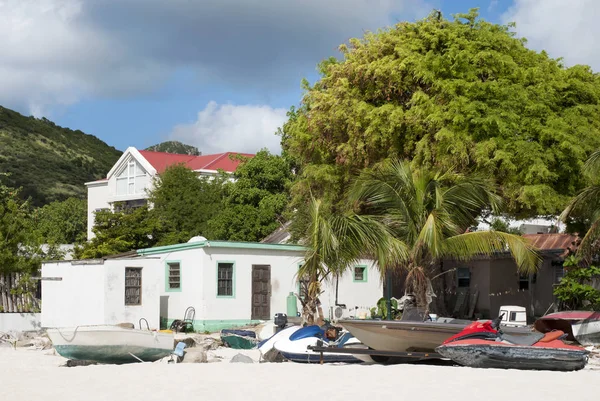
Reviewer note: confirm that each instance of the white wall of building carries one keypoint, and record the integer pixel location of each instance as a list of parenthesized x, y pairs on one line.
[(115, 310), (94, 293), (77, 299), (97, 198), (19, 322)]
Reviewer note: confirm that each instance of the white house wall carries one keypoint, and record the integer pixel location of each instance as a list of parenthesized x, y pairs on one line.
[(77, 299), (115, 310), (94, 293), (199, 286), (97, 199)]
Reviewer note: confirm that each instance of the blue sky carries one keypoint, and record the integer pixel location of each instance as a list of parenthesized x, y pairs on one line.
[(219, 75)]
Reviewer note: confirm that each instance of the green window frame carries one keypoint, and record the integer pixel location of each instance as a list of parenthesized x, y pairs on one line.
[(171, 276), (362, 276), (225, 279)]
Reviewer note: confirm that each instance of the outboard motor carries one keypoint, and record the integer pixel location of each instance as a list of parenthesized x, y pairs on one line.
[(280, 321)]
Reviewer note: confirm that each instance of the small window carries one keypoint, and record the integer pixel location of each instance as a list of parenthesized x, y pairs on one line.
[(225, 279), (523, 282), (303, 283), (360, 273), (174, 274), (463, 275), (133, 286)]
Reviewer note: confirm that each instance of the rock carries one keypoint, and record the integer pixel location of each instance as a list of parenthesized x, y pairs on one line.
[(194, 355), (241, 358)]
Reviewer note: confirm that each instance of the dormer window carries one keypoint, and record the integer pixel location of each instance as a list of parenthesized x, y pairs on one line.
[(131, 180)]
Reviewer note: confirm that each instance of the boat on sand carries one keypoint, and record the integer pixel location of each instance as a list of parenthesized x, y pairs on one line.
[(111, 344), (580, 326), (482, 345)]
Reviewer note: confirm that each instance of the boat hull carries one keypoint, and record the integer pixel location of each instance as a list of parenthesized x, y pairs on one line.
[(111, 344), (498, 356), (407, 336), (587, 332)]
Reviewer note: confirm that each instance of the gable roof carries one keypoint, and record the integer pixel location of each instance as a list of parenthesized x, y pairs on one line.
[(161, 160)]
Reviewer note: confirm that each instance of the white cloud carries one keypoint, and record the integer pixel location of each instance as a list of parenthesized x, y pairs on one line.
[(563, 28), (222, 128), (56, 52)]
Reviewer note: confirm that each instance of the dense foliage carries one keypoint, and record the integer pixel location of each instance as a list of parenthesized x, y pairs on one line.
[(62, 222), (121, 231), (184, 203), (576, 290), (47, 161), (256, 201), (463, 94), (175, 147), (20, 245)]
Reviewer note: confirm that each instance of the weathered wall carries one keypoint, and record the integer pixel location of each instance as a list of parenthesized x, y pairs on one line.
[(20, 322)]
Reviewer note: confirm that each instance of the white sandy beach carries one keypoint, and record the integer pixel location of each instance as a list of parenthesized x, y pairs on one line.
[(29, 375)]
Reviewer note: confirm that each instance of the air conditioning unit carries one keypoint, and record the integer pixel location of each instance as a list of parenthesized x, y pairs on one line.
[(338, 312)]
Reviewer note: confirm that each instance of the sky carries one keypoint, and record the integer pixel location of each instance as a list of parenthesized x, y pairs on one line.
[(220, 74)]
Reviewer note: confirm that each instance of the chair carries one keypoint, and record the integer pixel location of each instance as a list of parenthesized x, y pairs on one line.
[(187, 324)]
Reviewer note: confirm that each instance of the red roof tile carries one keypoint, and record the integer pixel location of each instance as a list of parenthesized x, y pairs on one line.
[(160, 160)]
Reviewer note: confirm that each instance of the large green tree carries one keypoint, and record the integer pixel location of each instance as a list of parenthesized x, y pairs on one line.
[(461, 94), (62, 222), (255, 203), (184, 202), (121, 230)]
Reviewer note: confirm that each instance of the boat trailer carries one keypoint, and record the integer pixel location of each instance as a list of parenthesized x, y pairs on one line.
[(417, 356)]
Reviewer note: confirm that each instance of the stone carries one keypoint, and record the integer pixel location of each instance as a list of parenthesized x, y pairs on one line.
[(194, 355), (241, 358)]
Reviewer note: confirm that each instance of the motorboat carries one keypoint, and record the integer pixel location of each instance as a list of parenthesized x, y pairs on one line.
[(111, 344), (484, 345), (580, 326), (410, 335)]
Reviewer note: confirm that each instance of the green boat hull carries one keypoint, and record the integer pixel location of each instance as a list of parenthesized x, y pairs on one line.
[(111, 354)]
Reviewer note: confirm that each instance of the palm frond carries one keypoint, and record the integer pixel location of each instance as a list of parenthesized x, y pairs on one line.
[(585, 203), (592, 164), (479, 243), (589, 243)]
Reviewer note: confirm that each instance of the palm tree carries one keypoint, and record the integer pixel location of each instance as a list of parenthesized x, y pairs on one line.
[(586, 205), (429, 213), (334, 243)]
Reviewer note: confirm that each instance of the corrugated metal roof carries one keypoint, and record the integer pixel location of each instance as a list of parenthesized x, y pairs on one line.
[(553, 242)]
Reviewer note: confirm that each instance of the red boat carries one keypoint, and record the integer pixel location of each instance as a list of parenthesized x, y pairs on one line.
[(483, 345)]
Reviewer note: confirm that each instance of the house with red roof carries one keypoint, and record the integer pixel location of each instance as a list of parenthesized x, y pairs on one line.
[(132, 175)]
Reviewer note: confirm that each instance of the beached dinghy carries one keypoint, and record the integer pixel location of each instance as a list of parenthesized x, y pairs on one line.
[(111, 344), (481, 345), (580, 326)]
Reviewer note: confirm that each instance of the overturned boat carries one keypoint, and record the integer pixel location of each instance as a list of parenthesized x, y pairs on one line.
[(481, 345), (111, 344), (580, 326)]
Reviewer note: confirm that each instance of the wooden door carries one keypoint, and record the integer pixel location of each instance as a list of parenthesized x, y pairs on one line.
[(261, 292)]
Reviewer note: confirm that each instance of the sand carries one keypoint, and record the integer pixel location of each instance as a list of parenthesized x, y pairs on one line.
[(29, 375)]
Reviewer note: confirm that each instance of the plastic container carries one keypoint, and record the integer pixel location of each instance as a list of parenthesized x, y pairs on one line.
[(292, 305)]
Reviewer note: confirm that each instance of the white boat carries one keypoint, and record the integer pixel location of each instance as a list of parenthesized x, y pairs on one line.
[(587, 332), (111, 343)]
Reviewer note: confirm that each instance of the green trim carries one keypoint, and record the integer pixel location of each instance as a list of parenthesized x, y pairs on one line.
[(167, 288), (232, 279), (365, 270), (220, 244), (214, 326)]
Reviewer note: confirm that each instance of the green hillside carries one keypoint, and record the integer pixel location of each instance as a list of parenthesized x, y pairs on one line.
[(48, 161), (175, 147)]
